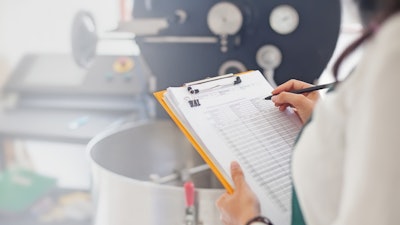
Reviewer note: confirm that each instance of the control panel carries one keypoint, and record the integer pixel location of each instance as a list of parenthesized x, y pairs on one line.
[(284, 39)]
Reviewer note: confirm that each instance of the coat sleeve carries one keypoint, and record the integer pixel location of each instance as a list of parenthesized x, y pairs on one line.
[(371, 184)]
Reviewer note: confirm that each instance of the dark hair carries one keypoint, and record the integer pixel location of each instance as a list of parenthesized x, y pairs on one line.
[(373, 13)]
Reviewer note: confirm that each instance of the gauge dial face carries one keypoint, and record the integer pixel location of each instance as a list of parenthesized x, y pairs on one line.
[(269, 57), (284, 19), (224, 18), (231, 66)]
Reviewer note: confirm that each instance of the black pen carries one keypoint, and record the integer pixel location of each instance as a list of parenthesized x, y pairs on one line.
[(309, 89)]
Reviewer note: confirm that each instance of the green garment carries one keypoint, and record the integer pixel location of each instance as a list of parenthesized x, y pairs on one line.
[(297, 215)]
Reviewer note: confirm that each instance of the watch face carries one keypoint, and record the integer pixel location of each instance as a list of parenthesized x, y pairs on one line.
[(224, 18), (284, 19)]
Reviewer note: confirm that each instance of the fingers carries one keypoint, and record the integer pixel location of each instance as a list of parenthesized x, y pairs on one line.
[(282, 107), (240, 206), (302, 105), (290, 86), (287, 98), (237, 175)]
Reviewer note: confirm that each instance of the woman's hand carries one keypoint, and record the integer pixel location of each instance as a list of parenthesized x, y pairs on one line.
[(242, 205), (303, 104)]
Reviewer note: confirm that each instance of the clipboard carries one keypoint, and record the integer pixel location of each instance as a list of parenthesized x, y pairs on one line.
[(159, 96), (218, 140)]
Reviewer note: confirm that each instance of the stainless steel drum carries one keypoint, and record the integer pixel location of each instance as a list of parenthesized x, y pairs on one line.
[(138, 174)]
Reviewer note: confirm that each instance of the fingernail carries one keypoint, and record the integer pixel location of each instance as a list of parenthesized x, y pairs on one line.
[(234, 165), (273, 98)]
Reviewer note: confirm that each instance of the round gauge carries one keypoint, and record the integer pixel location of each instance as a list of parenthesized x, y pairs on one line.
[(284, 19), (224, 18), (231, 66), (269, 57)]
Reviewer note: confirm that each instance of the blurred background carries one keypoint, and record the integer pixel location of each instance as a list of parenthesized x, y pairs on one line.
[(76, 84)]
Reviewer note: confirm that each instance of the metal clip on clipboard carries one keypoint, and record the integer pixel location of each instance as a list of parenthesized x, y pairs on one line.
[(209, 84)]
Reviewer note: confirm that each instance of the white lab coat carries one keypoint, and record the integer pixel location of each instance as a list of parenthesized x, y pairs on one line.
[(346, 165)]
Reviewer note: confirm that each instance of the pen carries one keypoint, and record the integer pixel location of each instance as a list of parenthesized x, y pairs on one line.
[(309, 89)]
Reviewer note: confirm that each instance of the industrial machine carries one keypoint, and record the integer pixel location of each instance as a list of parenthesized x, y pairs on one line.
[(284, 39), (182, 41), (49, 97), (51, 101), (140, 180)]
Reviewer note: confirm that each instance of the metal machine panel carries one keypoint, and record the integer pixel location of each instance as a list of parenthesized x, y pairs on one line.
[(304, 33)]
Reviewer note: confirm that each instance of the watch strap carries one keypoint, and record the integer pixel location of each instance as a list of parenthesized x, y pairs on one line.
[(259, 220), (257, 223)]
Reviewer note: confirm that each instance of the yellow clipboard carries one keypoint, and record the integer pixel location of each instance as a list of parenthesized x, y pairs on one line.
[(159, 96)]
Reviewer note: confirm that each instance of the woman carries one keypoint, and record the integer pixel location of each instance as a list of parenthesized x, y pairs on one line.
[(346, 164)]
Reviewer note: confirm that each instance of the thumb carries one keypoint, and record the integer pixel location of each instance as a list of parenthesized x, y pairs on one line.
[(237, 175)]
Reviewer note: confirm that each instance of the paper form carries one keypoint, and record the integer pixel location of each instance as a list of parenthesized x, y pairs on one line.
[(236, 123)]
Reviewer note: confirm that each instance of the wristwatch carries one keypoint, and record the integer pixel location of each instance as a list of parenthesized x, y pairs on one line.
[(259, 220)]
